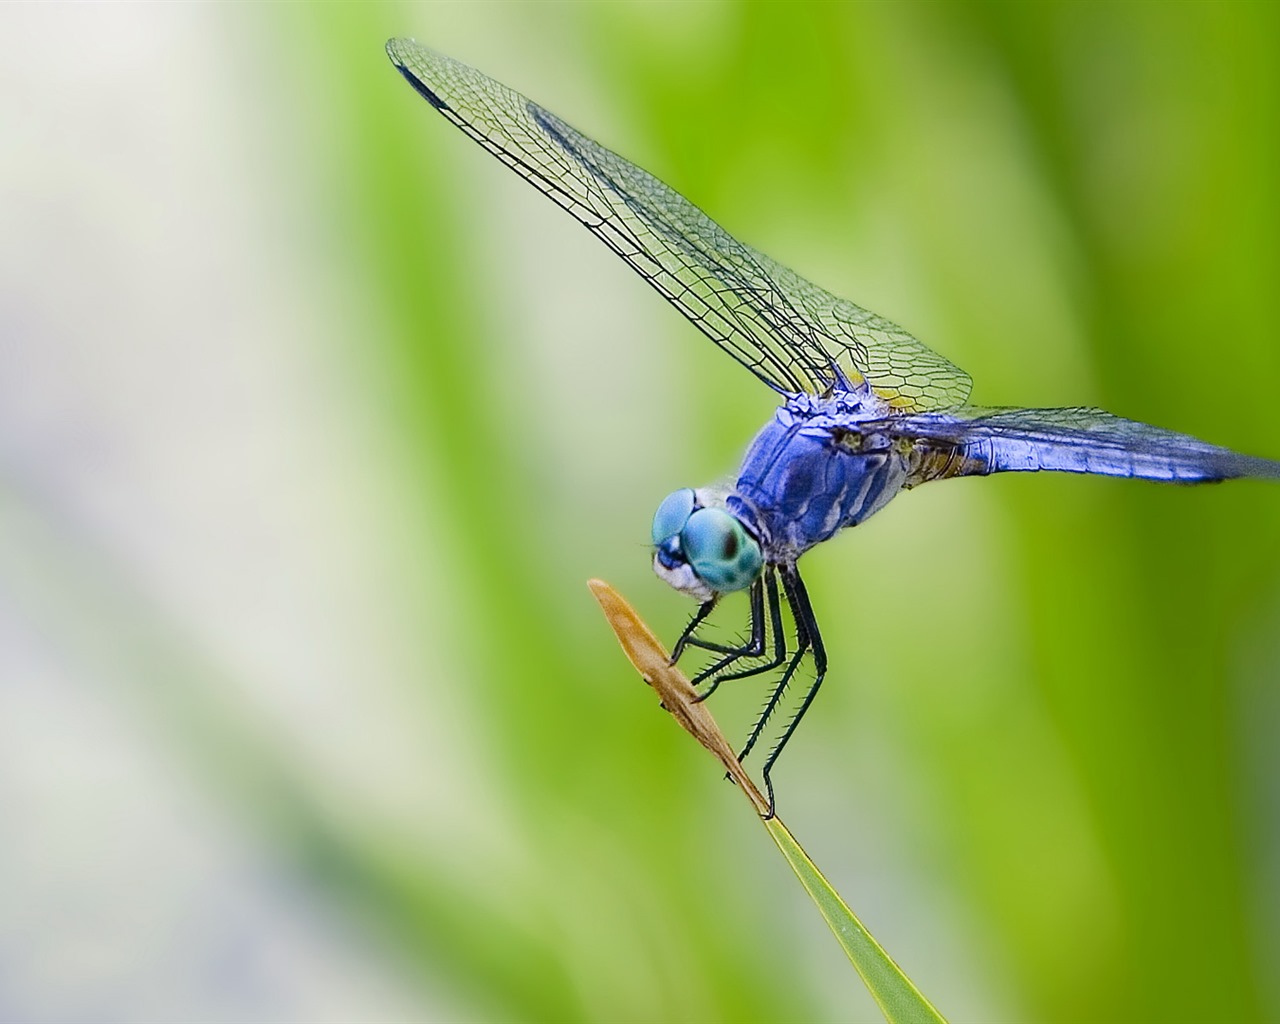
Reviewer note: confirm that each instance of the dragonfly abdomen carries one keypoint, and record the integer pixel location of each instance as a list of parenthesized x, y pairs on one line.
[(940, 460)]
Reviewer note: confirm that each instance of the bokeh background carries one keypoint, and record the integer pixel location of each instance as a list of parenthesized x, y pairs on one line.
[(314, 420)]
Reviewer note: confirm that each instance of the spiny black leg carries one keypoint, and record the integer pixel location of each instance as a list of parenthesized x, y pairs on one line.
[(703, 611), (802, 645), (753, 648), (798, 596), (687, 639), (779, 640)]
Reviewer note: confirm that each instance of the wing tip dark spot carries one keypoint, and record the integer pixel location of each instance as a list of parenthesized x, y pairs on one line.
[(410, 76)]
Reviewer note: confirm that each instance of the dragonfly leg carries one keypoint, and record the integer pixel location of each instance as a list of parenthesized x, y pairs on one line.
[(687, 637), (774, 624), (806, 625), (753, 648), (780, 687)]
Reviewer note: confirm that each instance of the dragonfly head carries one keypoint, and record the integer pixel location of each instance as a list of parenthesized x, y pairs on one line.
[(700, 549)]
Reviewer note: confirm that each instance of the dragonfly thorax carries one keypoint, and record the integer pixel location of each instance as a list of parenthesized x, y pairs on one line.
[(817, 466), (700, 549)]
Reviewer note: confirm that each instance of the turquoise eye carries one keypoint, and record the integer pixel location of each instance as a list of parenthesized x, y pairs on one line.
[(672, 514), (721, 552)]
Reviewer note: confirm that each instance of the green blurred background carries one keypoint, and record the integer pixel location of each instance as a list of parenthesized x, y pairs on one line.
[(314, 420)]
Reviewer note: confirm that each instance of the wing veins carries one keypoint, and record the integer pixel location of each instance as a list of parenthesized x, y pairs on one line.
[(789, 332)]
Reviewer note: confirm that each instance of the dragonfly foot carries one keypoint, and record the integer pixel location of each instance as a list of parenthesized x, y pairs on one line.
[(773, 804)]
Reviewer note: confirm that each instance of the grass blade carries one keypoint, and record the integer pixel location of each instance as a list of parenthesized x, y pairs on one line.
[(899, 999)]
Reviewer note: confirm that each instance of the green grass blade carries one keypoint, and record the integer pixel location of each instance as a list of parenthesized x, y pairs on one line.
[(897, 995)]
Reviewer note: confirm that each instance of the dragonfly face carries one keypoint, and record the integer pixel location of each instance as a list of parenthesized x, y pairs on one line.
[(868, 409), (702, 550)]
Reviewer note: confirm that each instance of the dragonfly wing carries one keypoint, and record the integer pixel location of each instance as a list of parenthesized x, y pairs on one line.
[(788, 332), (1077, 440), (900, 368)]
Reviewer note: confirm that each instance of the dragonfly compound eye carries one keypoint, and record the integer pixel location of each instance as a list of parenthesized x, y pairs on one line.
[(721, 552), (672, 514)]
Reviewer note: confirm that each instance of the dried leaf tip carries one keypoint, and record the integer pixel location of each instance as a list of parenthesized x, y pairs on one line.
[(675, 692)]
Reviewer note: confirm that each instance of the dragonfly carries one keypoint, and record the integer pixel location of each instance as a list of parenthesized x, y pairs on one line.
[(867, 411)]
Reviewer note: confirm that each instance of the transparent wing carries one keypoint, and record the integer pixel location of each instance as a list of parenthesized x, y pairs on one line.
[(788, 332), (1074, 441)]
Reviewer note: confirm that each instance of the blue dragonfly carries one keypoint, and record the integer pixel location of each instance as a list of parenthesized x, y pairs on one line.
[(867, 410)]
